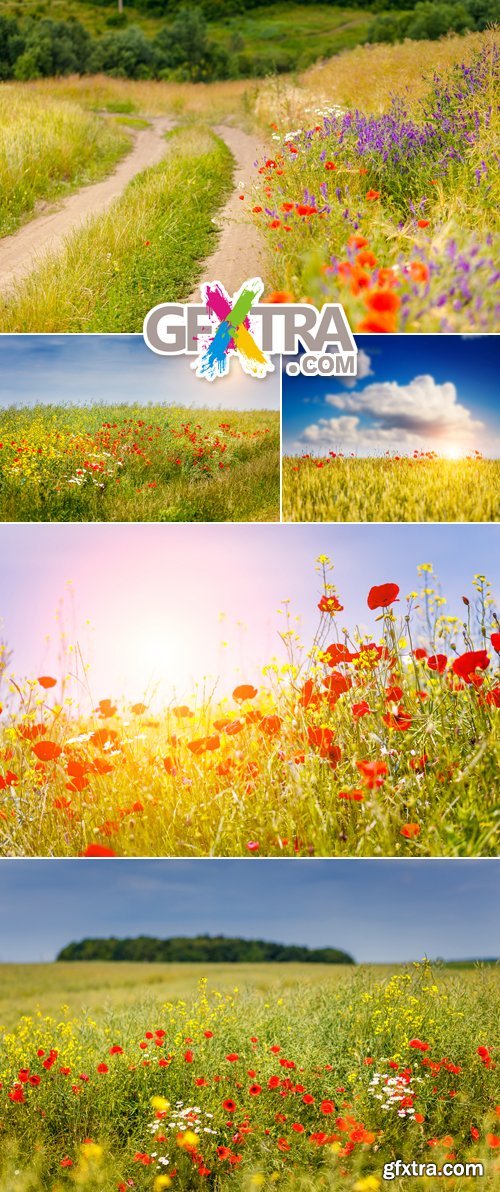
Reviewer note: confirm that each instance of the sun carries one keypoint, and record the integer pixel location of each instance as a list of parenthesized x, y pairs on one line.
[(452, 451)]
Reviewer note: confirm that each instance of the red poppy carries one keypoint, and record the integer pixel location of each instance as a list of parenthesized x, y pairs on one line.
[(98, 850), (337, 653), (495, 641), (330, 604), (245, 691), (47, 751), (467, 664), (382, 595), (46, 681), (359, 710), (229, 1105), (437, 662), (372, 773), (410, 831), (399, 721)]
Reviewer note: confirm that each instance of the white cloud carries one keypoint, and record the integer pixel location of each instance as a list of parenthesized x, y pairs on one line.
[(422, 407), (364, 369)]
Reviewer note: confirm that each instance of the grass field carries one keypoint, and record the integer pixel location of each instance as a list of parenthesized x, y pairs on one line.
[(380, 197), (412, 489), (46, 150), (97, 985), (126, 463), (278, 1081), (351, 747), (146, 249)]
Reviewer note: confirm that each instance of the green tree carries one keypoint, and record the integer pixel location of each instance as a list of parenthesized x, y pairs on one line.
[(128, 54)]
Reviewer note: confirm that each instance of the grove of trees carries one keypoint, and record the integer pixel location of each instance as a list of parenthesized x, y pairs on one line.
[(201, 949), (40, 47)]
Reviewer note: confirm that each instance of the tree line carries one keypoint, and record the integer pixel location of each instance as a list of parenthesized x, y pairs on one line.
[(40, 47), (202, 949)]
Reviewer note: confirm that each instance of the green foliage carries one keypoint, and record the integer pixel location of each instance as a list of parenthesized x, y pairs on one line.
[(53, 48), (129, 53), (432, 20), (202, 949)]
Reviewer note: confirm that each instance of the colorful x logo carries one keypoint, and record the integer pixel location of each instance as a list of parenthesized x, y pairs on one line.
[(233, 333)]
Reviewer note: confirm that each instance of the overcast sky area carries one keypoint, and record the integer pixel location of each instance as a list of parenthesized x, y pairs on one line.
[(426, 392), (377, 910), (82, 370), (154, 604)]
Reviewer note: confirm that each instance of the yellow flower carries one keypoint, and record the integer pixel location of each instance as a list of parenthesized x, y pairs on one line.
[(257, 1180), (188, 1140), (160, 1103), (368, 1183), (162, 1181), (91, 1150)]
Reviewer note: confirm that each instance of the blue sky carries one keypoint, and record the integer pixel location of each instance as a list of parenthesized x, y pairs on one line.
[(108, 369), (152, 605), (435, 392), (377, 910)]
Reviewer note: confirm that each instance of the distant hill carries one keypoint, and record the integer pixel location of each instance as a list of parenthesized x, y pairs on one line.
[(201, 949), (207, 40)]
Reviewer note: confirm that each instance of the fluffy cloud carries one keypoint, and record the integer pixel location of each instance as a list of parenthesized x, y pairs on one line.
[(422, 407), (364, 369), (345, 431)]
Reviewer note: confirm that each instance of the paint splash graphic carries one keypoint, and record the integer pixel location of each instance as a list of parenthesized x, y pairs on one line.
[(233, 335)]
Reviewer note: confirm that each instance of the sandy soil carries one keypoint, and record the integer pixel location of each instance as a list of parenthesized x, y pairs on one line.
[(240, 252)]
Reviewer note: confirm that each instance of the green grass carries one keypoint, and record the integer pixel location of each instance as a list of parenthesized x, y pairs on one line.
[(408, 490), (295, 34), (97, 985), (334, 1031), (137, 463), (146, 249), (48, 150)]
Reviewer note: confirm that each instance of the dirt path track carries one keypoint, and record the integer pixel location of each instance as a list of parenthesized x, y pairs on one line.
[(240, 253), (21, 253)]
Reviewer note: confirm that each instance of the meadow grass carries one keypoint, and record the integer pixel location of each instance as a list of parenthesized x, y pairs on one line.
[(379, 490), (233, 98), (389, 206), (251, 1086), (139, 463), (146, 249), (98, 985), (48, 149), (350, 744)]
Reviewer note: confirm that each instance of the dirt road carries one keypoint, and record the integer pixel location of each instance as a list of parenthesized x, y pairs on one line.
[(240, 253), (22, 252)]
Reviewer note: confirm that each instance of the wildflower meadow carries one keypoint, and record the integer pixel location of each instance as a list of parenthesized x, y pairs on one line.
[(315, 1083), (392, 212), (121, 463), (348, 744)]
